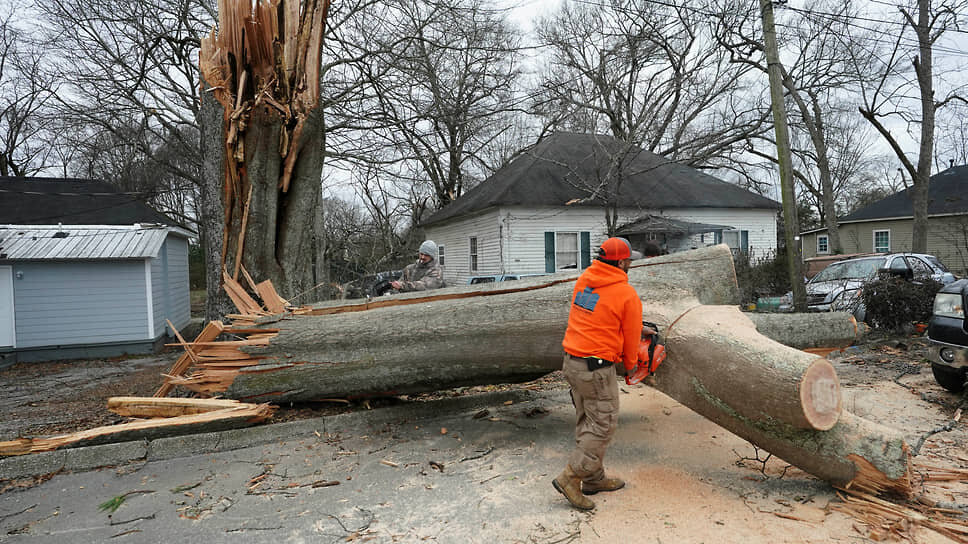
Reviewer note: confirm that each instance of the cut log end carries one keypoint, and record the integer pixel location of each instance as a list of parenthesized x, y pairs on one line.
[(820, 395)]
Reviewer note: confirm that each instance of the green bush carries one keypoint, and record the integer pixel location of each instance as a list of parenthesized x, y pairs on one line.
[(893, 303), (761, 275)]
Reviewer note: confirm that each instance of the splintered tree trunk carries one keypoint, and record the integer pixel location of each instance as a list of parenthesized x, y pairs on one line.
[(782, 399), (261, 129)]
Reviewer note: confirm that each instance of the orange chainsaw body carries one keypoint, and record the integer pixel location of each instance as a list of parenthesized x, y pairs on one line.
[(650, 356)]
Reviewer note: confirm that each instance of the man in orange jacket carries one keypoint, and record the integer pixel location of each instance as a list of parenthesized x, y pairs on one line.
[(604, 328)]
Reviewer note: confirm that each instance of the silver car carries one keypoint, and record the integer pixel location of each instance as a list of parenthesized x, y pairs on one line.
[(838, 287)]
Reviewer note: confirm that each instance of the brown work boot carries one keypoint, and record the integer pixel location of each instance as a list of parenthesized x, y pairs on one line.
[(605, 484), (569, 484)]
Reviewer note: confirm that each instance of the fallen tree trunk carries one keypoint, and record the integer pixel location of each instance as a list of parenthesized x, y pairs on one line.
[(823, 330), (779, 398)]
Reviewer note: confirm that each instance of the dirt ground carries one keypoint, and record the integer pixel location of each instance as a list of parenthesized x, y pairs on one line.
[(887, 380)]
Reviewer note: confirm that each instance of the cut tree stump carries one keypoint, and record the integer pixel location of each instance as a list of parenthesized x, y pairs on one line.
[(779, 398)]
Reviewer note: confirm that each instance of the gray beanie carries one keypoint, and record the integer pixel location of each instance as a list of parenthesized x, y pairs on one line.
[(429, 248)]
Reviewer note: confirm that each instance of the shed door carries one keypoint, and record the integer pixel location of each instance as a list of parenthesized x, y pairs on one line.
[(6, 306)]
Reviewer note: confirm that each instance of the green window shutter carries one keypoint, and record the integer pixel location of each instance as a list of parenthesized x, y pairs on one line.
[(586, 249), (744, 242), (549, 252)]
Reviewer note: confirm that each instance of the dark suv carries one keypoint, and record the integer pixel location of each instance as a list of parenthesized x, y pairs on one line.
[(948, 336)]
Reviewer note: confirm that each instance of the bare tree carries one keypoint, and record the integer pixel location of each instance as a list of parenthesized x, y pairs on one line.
[(650, 74), (815, 75), (888, 100), (26, 92), (127, 63), (442, 86)]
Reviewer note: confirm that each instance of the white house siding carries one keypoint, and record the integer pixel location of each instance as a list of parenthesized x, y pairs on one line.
[(526, 227), (169, 285), (759, 223), (455, 237), (522, 229), (68, 303)]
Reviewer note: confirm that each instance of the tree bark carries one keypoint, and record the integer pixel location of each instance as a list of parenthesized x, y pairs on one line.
[(830, 330), (211, 223)]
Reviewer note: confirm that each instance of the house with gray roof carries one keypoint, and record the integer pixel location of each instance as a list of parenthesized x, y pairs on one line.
[(887, 226), (86, 271), (550, 207)]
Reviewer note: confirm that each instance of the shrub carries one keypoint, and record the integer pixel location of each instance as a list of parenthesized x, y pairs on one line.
[(761, 275), (893, 303)]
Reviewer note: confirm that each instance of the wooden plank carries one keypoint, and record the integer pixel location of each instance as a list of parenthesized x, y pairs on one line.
[(245, 216), (210, 332), (146, 407), (274, 303), (249, 280), (181, 342), (145, 429), (243, 302)]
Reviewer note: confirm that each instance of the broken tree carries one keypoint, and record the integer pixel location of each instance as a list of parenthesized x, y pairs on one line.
[(261, 136), (780, 398)]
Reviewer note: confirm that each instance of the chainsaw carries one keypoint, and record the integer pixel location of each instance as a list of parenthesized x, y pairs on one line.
[(650, 356)]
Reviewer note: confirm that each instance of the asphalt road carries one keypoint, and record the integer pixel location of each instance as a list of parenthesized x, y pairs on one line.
[(445, 471)]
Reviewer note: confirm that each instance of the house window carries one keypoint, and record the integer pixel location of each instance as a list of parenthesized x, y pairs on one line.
[(440, 255), (737, 240), (882, 241), (473, 254), (822, 246), (566, 250)]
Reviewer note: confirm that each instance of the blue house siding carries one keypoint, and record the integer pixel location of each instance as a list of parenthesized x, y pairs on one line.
[(86, 302), (169, 285), (159, 301), (178, 287)]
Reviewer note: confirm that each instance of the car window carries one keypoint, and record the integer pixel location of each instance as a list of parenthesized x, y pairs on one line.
[(937, 264), (850, 270), (899, 264), (920, 268)]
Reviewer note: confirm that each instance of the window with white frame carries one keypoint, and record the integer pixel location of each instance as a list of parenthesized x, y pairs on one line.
[(473, 253), (822, 244), (882, 241), (566, 250), (440, 255)]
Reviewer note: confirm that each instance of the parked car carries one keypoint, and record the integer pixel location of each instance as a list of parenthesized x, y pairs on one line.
[(948, 336), (499, 277), (837, 287), (813, 265)]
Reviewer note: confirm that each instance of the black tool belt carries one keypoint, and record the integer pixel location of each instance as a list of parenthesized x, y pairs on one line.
[(594, 363)]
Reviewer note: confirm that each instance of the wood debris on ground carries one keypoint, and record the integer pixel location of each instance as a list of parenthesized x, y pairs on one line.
[(214, 363), (884, 520), (198, 415)]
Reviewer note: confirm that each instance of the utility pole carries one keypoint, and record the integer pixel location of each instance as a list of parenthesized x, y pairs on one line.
[(790, 222)]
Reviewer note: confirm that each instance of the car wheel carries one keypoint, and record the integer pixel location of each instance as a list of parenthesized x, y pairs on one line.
[(952, 379)]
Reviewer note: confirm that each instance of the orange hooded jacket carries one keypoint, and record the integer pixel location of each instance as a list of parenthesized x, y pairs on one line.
[(605, 319)]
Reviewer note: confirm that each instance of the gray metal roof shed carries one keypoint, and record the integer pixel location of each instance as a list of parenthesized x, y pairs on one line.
[(90, 290)]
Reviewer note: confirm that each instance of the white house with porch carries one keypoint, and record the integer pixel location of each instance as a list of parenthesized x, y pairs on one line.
[(547, 210)]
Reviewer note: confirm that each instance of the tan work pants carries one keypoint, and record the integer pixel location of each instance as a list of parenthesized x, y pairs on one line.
[(595, 394)]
